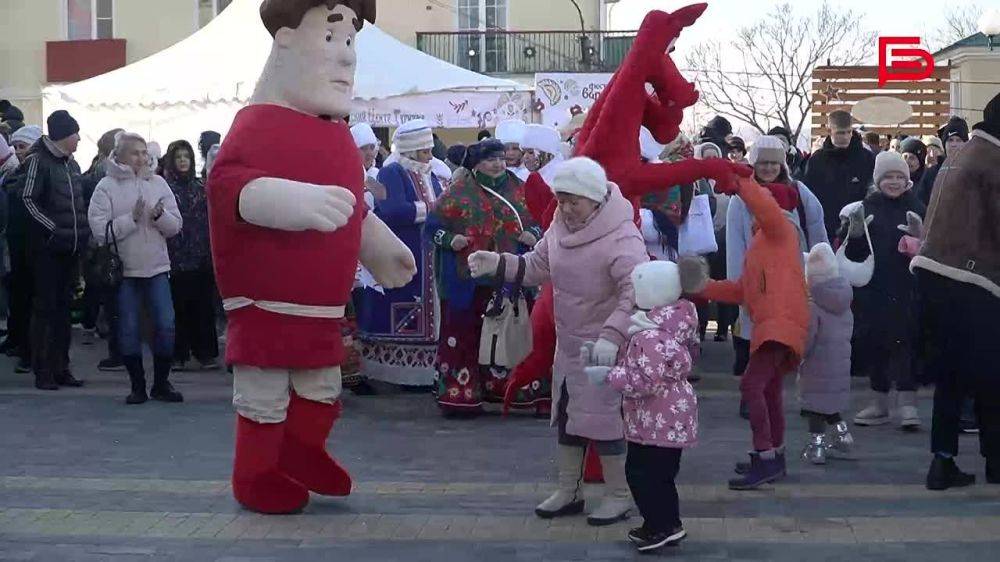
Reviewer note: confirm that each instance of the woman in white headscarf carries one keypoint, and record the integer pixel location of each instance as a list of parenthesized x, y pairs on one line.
[(398, 327)]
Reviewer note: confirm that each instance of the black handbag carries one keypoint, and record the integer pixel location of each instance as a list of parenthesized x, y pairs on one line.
[(108, 266)]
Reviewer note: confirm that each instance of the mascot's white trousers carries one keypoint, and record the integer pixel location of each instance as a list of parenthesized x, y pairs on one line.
[(262, 395)]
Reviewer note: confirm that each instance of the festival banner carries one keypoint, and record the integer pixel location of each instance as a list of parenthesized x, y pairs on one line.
[(445, 110), (560, 96)]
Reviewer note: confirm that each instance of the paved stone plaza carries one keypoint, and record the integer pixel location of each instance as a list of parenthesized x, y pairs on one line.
[(85, 478)]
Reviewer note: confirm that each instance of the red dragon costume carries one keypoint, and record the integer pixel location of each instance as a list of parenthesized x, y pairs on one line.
[(610, 136)]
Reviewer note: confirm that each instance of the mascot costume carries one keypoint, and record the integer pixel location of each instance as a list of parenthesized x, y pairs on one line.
[(288, 226), (610, 136)]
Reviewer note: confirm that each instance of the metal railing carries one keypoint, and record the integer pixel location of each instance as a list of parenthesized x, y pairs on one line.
[(528, 52)]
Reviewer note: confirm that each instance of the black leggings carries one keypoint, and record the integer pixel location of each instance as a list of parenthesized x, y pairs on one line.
[(651, 472), (818, 422)]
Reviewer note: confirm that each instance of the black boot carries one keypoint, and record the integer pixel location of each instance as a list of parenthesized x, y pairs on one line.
[(66, 378), (993, 471), (44, 381), (162, 389), (137, 376), (944, 474)]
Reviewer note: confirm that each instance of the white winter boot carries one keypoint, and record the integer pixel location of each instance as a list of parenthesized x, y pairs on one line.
[(617, 502), (877, 413), (568, 498), (909, 419)]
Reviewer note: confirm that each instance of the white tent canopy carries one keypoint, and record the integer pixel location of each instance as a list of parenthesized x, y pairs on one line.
[(200, 82)]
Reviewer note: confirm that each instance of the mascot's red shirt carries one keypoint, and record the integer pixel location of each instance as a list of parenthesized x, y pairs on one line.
[(303, 268)]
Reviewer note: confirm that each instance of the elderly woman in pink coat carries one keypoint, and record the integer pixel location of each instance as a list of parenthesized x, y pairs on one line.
[(588, 254)]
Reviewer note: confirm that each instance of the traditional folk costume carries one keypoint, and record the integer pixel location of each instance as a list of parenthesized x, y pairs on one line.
[(399, 328), (491, 213)]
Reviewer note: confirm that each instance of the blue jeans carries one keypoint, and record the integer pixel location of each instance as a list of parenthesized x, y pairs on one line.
[(154, 294)]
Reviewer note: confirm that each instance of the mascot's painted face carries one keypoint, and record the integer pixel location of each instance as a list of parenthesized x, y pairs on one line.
[(316, 61)]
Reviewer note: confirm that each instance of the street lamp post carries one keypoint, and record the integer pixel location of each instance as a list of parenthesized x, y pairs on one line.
[(989, 25), (585, 49)]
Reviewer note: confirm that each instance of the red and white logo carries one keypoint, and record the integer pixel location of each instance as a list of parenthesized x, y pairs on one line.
[(898, 64)]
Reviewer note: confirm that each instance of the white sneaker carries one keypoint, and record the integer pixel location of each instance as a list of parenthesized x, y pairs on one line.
[(909, 419), (877, 413)]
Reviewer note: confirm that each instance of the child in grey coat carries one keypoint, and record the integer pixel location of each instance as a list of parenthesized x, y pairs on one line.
[(825, 377)]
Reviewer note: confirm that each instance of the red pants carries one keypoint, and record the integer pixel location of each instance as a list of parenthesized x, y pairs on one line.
[(762, 386)]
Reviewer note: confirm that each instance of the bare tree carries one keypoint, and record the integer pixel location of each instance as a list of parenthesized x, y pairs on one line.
[(959, 22), (772, 85)]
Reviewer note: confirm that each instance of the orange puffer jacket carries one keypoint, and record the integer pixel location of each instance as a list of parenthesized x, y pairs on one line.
[(773, 286)]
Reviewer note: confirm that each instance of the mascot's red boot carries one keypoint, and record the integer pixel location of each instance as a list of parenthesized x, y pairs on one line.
[(303, 454)]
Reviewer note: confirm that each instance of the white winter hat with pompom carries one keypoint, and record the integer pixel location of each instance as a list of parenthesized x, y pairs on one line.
[(583, 177), (821, 264)]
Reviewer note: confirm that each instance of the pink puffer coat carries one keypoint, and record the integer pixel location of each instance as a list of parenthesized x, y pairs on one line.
[(590, 270), (661, 408)]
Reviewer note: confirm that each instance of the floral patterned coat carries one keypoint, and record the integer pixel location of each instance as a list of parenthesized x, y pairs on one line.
[(660, 406)]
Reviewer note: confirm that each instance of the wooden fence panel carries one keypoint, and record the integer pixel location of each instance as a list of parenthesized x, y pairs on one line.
[(839, 88)]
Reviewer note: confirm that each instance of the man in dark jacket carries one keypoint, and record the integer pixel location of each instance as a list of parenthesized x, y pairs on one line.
[(57, 234), (958, 275), (840, 172)]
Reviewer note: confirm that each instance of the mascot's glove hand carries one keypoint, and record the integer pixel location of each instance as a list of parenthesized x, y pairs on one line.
[(484, 264), (385, 256), (602, 354), (597, 376), (726, 174), (914, 225), (694, 274), (296, 206)]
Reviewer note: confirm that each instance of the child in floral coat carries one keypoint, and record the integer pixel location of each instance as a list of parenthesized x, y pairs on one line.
[(660, 406)]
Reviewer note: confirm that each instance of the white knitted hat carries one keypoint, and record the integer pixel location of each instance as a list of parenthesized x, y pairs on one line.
[(583, 177), (821, 264), (543, 138), (699, 150), (768, 149), (511, 131), (29, 134), (890, 161), (364, 135), (656, 283), (413, 136)]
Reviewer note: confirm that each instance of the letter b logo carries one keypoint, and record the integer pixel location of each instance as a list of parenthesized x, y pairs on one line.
[(890, 68)]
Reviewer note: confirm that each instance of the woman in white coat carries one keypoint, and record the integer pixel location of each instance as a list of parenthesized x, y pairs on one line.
[(139, 211)]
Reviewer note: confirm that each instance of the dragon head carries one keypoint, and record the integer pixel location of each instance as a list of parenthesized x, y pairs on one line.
[(672, 93)]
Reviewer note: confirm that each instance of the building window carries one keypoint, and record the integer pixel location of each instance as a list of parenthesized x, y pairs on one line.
[(208, 9), (90, 19), (483, 52)]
